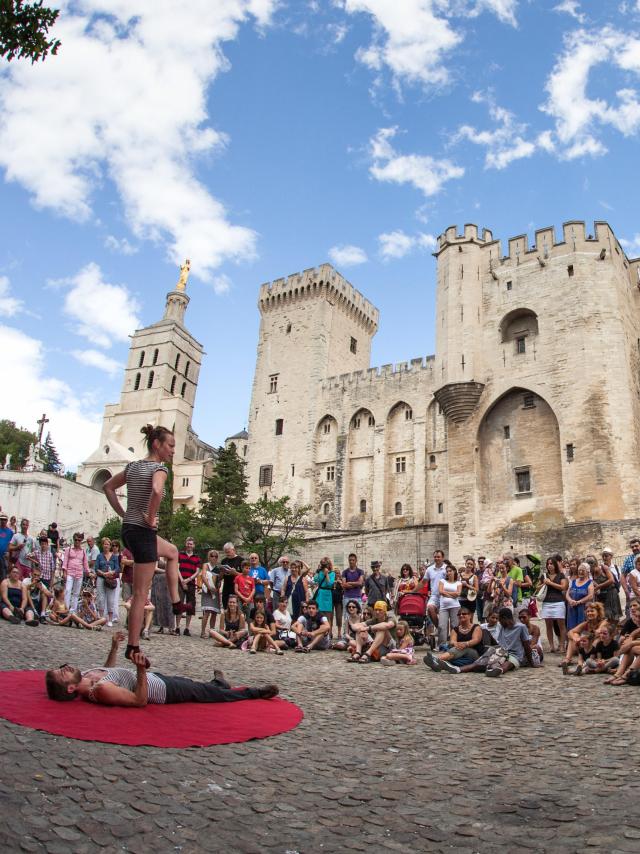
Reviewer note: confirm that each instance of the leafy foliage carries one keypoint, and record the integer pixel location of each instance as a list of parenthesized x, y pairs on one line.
[(15, 441), (24, 28), (223, 508), (49, 456), (271, 529), (112, 528)]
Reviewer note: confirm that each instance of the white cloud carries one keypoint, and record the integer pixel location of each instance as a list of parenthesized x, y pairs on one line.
[(101, 312), (9, 305), (221, 284), (422, 171), (578, 117), (119, 245), (506, 142), (126, 101), (97, 359), (571, 7), (347, 255), (397, 244), (74, 431), (631, 247), (413, 38)]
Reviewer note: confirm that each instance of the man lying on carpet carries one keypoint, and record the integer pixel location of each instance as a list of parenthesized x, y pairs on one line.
[(119, 686)]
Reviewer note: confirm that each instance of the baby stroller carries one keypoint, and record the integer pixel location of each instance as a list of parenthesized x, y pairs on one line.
[(412, 608)]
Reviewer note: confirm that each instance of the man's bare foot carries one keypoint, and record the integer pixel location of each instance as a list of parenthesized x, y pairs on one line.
[(268, 691), (219, 675)]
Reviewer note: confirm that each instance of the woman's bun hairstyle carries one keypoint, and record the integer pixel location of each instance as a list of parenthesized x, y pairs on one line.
[(152, 433)]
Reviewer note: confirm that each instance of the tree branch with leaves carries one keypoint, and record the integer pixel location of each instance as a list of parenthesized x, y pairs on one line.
[(24, 30)]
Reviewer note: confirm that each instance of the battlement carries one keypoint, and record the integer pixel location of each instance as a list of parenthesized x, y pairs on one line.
[(469, 235), (323, 281), (383, 372)]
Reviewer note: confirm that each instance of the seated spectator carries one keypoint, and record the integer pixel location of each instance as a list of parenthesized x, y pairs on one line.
[(60, 615), (465, 643), (381, 628), (513, 650), (13, 600), (149, 609), (260, 637), (245, 589), (313, 630), (594, 613), (87, 613), (491, 626), (260, 604), (603, 657), (631, 623), (403, 653), (534, 631), (234, 627), (37, 594), (353, 616), (285, 638)]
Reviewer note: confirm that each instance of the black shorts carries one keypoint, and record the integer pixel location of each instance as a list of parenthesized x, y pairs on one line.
[(141, 542)]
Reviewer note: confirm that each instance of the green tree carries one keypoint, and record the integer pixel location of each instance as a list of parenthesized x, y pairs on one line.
[(70, 475), (49, 456), (223, 508), (112, 528), (24, 28), (271, 529), (15, 441)]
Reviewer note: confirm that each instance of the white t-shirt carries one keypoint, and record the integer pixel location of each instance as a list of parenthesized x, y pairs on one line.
[(447, 602), (636, 575), (433, 576), (282, 620)]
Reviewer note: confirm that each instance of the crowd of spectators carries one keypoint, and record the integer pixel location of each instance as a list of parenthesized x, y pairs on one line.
[(485, 615)]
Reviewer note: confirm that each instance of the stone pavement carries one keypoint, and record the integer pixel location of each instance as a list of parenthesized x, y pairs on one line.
[(401, 759)]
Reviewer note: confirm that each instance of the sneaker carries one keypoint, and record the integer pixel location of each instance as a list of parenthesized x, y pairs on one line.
[(578, 670), (176, 631), (268, 691), (187, 633), (448, 667), (431, 661), (109, 625), (493, 671)]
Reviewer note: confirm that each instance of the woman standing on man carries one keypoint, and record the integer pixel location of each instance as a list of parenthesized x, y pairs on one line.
[(145, 480)]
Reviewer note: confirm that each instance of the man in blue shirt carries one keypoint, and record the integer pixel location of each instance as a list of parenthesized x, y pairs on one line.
[(627, 566), (260, 575), (5, 538), (278, 580)]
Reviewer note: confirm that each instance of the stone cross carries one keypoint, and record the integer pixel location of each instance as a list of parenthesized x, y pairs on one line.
[(42, 421)]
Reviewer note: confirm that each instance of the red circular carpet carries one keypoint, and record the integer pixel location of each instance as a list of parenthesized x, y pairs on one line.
[(23, 700)]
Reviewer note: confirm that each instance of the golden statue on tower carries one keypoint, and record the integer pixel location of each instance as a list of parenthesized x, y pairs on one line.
[(184, 275)]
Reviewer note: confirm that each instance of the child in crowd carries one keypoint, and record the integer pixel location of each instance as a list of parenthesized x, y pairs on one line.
[(245, 587), (87, 613), (603, 657), (37, 595), (260, 635), (403, 653)]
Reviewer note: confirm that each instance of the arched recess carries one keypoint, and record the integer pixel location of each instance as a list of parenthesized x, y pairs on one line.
[(400, 460), (519, 471), (436, 480), (519, 323), (325, 455), (359, 469), (100, 478)]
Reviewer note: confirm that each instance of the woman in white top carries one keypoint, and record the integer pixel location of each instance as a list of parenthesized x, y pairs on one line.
[(282, 618), (210, 601), (633, 581), (449, 589)]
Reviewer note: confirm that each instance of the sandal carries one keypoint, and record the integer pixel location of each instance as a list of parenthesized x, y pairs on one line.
[(279, 652), (253, 652), (365, 658), (355, 658), (129, 652)]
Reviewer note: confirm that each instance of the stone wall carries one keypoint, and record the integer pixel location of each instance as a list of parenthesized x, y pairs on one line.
[(43, 498), (404, 545)]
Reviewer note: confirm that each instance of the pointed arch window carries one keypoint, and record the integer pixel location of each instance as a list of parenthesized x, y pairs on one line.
[(150, 380), (156, 353), (186, 370), (177, 365), (141, 360), (173, 384), (183, 390), (136, 385)]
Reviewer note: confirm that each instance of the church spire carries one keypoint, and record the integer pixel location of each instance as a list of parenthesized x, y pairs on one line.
[(177, 299)]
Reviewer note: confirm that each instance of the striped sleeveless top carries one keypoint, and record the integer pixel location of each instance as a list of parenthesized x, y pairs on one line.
[(139, 485), (125, 678)]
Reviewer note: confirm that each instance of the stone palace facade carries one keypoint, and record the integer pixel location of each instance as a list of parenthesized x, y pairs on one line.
[(522, 431)]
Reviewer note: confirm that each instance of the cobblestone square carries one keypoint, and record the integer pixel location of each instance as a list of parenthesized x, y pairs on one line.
[(400, 759)]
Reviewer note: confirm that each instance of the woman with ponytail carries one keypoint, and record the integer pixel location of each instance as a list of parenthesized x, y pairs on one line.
[(145, 480)]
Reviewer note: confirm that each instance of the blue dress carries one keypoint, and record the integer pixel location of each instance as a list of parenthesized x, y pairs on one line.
[(575, 613)]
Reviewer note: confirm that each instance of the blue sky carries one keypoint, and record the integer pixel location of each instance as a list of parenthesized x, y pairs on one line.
[(259, 138)]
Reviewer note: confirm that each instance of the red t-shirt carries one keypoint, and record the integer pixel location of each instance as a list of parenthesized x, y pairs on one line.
[(188, 564), (245, 585)]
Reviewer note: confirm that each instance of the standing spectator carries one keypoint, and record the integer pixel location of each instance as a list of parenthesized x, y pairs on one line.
[(161, 600), (298, 584), (210, 600), (45, 561), (323, 579), (278, 580), (554, 608), (633, 582), (126, 573), (260, 575), (605, 590), (627, 566), (92, 556), (6, 535), (13, 524), (378, 586), (521, 582), (21, 547), (107, 570), (434, 575), (352, 582), (231, 563), (117, 551), (580, 592), (245, 589), (189, 566), (54, 537), (75, 565), (449, 589)]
